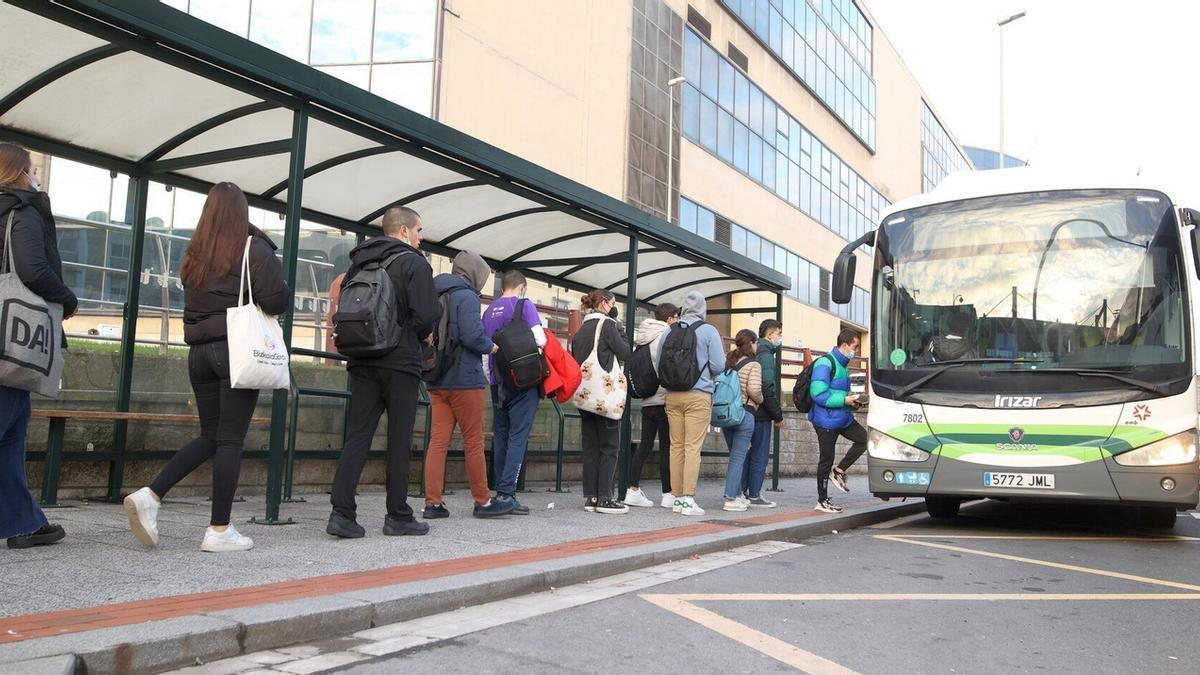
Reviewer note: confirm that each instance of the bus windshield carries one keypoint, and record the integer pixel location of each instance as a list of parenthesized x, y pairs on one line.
[(1029, 289)]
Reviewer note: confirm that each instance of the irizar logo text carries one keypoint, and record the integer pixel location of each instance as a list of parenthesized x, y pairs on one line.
[(1017, 401)]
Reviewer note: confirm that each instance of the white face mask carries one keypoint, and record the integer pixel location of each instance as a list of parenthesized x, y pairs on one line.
[(33, 182)]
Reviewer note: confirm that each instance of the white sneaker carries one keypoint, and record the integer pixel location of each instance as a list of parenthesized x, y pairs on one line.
[(734, 505), (677, 505), (743, 499), (142, 509), (688, 507), (635, 497), (668, 500), (223, 542)]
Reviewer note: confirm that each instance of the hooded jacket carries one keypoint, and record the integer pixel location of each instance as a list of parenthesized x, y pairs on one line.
[(464, 325), (767, 358), (204, 307), (416, 301), (650, 332), (710, 351), (829, 388), (565, 374), (35, 246)]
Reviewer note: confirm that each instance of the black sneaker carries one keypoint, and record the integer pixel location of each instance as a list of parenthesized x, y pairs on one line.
[(493, 509), (394, 527), (48, 534), (611, 507), (828, 506), (344, 527), (589, 504), (433, 511), (839, 479)]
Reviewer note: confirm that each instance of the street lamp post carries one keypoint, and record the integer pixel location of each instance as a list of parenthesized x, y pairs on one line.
[(1001, 24), (671, 84)]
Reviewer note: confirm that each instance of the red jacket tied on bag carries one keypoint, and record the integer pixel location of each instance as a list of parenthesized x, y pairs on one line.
[(564, 375)]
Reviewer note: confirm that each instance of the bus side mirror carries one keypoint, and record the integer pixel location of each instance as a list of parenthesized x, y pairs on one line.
[(843, 275), (1191, 217)]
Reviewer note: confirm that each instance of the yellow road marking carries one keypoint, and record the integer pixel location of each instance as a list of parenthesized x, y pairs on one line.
[(1052, 537), (777, 649), (1044, 563), (953, 597)]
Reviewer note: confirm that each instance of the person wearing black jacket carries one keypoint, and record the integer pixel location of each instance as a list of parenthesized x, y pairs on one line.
[(37, 264), (600, 434), (389, 382), (211, 275), (768, 415)]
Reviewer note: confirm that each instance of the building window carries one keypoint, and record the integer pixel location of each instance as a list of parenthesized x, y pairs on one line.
[(940, 156), (810, 282), (826, 45), (725, 113)]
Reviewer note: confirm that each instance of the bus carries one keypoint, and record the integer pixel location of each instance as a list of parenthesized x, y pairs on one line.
[(1032, 338)]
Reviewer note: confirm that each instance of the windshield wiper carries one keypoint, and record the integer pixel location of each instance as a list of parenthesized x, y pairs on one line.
[(947, 365), (1160, 389)]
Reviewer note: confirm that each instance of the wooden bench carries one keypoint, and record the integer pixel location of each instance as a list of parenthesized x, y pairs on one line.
[(57, 433)]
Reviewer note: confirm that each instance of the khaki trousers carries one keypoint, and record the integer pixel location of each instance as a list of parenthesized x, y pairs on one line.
[(689, 415)]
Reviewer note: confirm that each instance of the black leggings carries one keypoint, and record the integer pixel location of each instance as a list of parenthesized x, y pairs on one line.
[(224, 420), (654, 423)]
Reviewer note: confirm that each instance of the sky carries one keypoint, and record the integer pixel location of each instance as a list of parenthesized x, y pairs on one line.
[(1097, 84)]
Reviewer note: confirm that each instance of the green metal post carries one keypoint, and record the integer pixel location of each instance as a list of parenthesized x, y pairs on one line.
[(291, 241), (138, 195), (626, 420), (779, 393)]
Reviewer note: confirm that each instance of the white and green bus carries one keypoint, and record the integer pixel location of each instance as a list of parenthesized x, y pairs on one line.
[(1033, 338)]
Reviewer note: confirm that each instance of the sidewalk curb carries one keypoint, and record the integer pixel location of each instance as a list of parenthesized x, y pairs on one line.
[(206, 637)]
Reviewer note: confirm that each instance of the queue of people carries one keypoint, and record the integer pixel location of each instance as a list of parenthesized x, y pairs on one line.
[(398, 325)]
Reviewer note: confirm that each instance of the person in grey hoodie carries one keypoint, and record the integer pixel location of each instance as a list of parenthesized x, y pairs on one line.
[(689, 413), (654, 414)]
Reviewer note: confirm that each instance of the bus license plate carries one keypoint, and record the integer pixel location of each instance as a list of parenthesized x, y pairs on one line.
[(1043, 481)]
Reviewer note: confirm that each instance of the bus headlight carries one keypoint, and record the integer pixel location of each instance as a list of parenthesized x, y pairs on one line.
[(1178, 449), (882, 446)]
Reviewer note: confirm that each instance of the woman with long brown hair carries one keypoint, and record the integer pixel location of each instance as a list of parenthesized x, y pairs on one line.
[(33, 251), (749, 372), (211, 274)]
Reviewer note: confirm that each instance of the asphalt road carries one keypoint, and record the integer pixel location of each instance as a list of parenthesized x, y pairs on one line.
[(1002, 589)]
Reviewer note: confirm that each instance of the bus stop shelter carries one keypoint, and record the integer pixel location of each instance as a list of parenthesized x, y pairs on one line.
[(136, 87)]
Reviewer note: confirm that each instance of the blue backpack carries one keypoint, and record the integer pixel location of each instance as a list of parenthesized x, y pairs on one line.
[(728, 407)]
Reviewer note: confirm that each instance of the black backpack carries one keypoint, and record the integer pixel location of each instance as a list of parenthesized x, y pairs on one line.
[(519, 362), (366, 324), (642, 377), (678, 369), (801, 393), (441, 356)]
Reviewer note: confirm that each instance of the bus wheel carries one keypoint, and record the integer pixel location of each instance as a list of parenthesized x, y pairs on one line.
[(942, 507), (1158, 517)]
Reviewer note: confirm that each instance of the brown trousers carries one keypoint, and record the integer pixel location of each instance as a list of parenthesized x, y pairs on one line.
[(464, 408)]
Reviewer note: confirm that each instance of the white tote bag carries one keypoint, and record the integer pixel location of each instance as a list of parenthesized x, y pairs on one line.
[(31, 355), (258, 357), (602, 392)]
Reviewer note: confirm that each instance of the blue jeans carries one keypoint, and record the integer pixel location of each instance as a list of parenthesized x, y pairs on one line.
[(19, 513), (738, 439), (512, 420), (760, 452)]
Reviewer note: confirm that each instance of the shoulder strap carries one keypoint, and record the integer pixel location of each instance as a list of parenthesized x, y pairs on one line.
[(9, 263), (745, 360)]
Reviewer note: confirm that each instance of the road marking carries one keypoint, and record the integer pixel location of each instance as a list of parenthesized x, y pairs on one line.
[(888, 524), (1044, 563), (1052, 537), (777, 649), (932, 597), (1195, 515)]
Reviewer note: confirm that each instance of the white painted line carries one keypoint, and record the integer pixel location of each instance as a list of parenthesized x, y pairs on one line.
[(888, 524)]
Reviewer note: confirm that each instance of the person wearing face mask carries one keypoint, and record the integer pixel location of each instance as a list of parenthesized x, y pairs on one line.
[(766, 416), (600, 434), (513, 411), (35, 260), (831, 416)]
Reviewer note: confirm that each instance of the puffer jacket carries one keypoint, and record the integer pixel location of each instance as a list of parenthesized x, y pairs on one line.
[(565, 375), (651, 332), (829, 389), (204, 308), (35, 246)]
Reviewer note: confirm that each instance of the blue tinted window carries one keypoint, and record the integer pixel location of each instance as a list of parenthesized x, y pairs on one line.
[(741, 147), (725, 136), (691, 112), (708, 123), (687, 215), (708, 74), (705, 225), (725, 91)]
